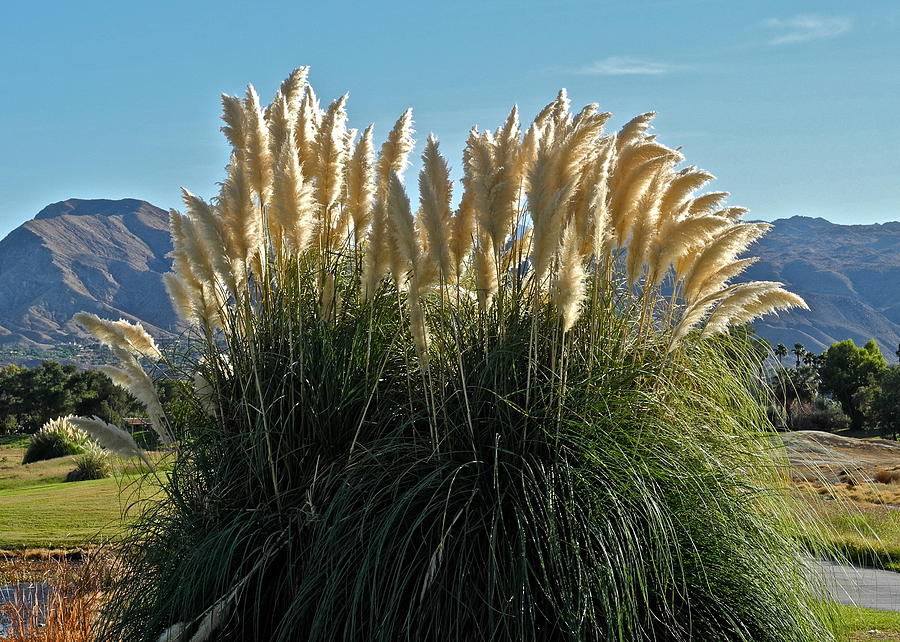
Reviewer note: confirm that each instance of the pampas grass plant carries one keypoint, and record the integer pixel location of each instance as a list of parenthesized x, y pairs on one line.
[(521, 417), (57, 438), (92, 464)]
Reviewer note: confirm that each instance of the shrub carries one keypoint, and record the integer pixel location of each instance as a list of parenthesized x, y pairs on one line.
[(777, 416), (93, 464), (822, 414), (486, 423), (57, 438)]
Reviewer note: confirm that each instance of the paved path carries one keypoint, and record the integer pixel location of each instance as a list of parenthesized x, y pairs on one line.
[(870, 588)]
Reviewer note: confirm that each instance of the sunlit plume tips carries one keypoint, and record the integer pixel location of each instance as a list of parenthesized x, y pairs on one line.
[(556, 213), (122, 334)]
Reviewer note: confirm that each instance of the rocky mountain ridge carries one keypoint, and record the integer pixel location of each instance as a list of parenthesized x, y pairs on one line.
[(102, 256), (108, 257), (848, 274)]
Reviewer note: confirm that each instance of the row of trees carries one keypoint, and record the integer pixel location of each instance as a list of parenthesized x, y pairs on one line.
[(844, 386), (30, 397)]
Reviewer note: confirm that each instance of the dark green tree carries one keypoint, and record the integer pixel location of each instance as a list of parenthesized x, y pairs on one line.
[(10, 398), (29, 397), (795, 385), (886, 402), (38, 394), (98, 395), (847, 368), (864, 399)]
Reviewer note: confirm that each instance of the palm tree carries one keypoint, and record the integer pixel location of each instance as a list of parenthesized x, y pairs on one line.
[(795, 386), (780, 351), (798, 351)]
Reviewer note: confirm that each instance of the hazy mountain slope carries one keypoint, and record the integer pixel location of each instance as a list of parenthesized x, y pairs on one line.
[(102, 256), (848, 274)]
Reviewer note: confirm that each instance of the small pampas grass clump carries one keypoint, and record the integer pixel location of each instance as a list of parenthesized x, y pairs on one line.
[(56, 438), (64, 426), (504, 417)]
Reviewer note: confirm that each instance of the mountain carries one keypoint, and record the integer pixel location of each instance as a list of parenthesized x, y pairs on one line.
[(108, 257), (102, 256), (848, 274)]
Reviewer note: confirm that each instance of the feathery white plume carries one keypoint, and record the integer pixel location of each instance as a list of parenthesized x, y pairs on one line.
[(571, 290), (258, 153), (634, 130), (361, 184), (331, 155), (174, 633), (720, 251), (294, 207), (707, 203), (434, 198), (394, 153), (121, 333), (306, 130), (235, 128), (405, 254), (542, 214), (111, 437)]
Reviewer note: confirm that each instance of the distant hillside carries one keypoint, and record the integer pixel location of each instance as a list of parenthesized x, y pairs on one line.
[(106, 257), (848, 274)]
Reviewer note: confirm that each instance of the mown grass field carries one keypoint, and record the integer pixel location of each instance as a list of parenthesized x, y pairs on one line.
[(867, 624), (39, 510)]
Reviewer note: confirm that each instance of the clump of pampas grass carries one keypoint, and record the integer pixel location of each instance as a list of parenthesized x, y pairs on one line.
[(515, 412), (56, 438)]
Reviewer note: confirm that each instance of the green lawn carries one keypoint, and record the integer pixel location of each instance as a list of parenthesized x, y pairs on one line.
[(14, 475), (39, 510), (867, 624), (14, 441)]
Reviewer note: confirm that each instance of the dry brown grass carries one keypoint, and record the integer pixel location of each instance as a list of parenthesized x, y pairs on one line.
[(861, 493), (74, 594), (37, 564), (887, 475)]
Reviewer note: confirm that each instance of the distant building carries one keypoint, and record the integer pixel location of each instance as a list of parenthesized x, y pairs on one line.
[(136, 423)]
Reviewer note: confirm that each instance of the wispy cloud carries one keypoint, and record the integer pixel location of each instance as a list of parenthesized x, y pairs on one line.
[(808, 27), (626, 66)]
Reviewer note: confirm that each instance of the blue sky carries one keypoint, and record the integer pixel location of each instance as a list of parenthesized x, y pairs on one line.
[(793, 105)]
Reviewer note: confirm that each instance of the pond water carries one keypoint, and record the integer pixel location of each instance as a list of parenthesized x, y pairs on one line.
[(31, 595)]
